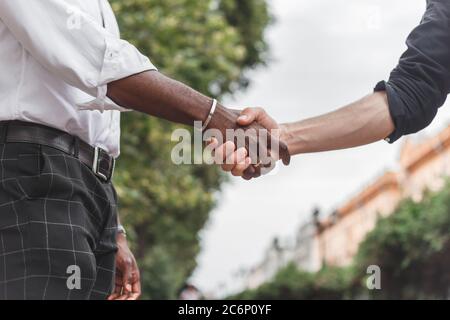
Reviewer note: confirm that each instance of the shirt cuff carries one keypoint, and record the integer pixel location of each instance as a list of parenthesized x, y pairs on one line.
[(395, 109), (121, 60)]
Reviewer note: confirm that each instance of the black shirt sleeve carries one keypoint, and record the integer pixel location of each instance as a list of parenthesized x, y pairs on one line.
[(419, 85)]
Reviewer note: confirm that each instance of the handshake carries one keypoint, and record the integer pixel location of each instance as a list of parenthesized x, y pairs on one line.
[(253, 142)]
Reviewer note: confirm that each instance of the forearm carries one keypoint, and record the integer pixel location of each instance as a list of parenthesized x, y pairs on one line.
[(365, 121), (157, 95)]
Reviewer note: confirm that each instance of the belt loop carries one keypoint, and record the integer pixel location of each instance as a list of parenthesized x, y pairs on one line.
[(76, 147)]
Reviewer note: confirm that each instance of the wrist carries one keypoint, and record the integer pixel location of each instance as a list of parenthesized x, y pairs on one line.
[(296, 137), (284, 132), (121, 240), (223, 119), (121, 231)]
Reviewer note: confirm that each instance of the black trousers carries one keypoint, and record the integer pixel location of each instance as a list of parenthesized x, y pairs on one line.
[(58, 225)]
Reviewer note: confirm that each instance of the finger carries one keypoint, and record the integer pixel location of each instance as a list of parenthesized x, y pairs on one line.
[(113, 296), (284, 154), (239, 169), (257, 173), (234, 159), (136, 292), (213, 143), (221, 153), (253, 172), (117, 292), (127, 278), (249, 173), (266, 169), (122, 295), (248, 116), (136, 285)]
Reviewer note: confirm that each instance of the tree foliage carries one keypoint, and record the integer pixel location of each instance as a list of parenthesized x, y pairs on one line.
[(412, 248), (209, 46), (293, 284)]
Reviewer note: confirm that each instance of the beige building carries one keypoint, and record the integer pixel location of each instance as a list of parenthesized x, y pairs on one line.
[(425, 164), (339, 235)]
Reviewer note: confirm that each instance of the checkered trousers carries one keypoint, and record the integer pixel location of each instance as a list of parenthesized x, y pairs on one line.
[(58, 225)]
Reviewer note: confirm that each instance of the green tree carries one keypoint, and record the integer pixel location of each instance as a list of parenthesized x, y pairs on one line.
[(209, 45), (412, 248)]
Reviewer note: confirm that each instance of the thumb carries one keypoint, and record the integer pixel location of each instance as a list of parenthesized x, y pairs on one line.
[(248, 116)]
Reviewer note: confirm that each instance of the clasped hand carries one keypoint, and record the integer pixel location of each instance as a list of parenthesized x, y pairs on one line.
[(257, 153)]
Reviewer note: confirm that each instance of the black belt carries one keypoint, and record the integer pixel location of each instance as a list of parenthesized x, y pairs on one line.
[(97, 159)]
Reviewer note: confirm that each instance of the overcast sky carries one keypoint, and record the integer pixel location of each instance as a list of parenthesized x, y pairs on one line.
[(326, 54)]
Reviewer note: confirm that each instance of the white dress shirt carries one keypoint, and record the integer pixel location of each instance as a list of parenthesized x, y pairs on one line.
[(56, 60)]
